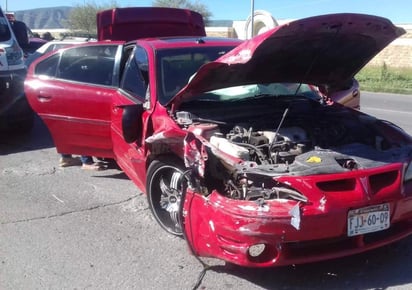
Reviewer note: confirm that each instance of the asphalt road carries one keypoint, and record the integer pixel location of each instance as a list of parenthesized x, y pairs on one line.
[(393, 107), (65, 228)]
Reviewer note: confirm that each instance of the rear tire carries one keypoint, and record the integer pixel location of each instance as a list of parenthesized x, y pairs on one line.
[(164, 191)]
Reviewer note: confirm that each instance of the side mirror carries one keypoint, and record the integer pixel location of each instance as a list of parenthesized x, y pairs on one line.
[(132, 122)]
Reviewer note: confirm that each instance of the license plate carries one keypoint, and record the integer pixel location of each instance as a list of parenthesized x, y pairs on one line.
[(368, 219)]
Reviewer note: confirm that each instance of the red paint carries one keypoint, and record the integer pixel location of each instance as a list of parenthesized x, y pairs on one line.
[(297, 203)]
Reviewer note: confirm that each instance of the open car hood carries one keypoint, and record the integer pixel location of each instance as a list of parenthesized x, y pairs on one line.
[(326, 49)]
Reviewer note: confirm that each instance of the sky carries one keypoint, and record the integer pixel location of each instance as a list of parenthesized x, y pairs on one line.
[(398, 11)]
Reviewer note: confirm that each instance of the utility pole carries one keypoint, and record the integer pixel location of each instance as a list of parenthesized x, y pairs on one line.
[(252, 12)]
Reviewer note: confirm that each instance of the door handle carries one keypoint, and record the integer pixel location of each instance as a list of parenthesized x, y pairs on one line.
[(44, 99)]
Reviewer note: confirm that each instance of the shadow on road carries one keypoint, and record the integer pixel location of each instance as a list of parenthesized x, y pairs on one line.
[(112, 164), (120, 175), (389, 266), (38, 138)]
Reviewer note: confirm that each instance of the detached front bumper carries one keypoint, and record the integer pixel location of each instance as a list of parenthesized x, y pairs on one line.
[(284, 232)]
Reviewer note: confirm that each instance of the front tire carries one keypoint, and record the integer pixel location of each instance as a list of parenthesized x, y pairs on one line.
[(164, 191)]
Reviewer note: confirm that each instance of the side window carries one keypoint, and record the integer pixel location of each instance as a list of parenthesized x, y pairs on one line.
[(135, 77), (88, 64), (143, 63), (48, 66)]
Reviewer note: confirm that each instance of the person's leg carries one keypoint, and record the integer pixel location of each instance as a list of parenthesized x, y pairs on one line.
[(86, 159), (89, 164), (67, 160)]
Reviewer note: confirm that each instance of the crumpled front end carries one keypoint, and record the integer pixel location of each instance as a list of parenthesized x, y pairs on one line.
[(284, 230), (328, 186), (279, 175)]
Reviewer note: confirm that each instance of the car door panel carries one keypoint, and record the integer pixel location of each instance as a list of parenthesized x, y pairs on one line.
[(75, 101), (131, 154), (78, 117)]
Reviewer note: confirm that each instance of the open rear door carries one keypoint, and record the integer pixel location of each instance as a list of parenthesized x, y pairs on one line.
[(72, 92)]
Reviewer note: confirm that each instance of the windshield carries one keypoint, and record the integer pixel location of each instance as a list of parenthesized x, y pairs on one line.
[(4, 30), (239, 93), (176, 66)]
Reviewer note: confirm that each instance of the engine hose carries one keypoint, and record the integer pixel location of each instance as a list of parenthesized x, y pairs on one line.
[(259, 153)]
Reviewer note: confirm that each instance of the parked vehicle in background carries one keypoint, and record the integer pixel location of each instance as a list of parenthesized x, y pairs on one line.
[(15, 112), (127, 24), (51, 46), (231, 143), (27, 40), (346, 94)]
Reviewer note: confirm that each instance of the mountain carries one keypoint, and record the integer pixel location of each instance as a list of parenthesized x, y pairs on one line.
[(44, 18)]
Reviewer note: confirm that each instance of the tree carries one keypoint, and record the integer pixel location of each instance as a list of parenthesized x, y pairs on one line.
[(82, 17), (195, 5)]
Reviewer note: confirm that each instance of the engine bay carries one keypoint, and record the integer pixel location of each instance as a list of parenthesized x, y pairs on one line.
[(303, 138)]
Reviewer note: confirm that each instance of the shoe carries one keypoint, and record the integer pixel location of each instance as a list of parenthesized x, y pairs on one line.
[(93, 166), (69, 161)]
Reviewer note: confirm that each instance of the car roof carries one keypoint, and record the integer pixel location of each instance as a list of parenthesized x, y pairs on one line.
[(179, 42)]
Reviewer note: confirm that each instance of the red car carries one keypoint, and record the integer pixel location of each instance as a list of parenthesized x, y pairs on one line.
[(241, 156)]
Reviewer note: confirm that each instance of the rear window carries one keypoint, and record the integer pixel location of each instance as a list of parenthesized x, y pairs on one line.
[(4, 30)]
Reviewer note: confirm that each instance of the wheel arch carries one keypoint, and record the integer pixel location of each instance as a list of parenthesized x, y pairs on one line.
[(164, 191)]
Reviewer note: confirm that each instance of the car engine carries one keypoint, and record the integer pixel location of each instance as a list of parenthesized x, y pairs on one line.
[(266, 147), (304, 140)]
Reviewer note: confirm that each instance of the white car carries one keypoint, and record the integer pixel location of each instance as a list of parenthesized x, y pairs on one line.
[(53, 45)]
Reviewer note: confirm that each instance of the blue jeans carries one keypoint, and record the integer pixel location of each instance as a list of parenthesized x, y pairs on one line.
[(84, 158)]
